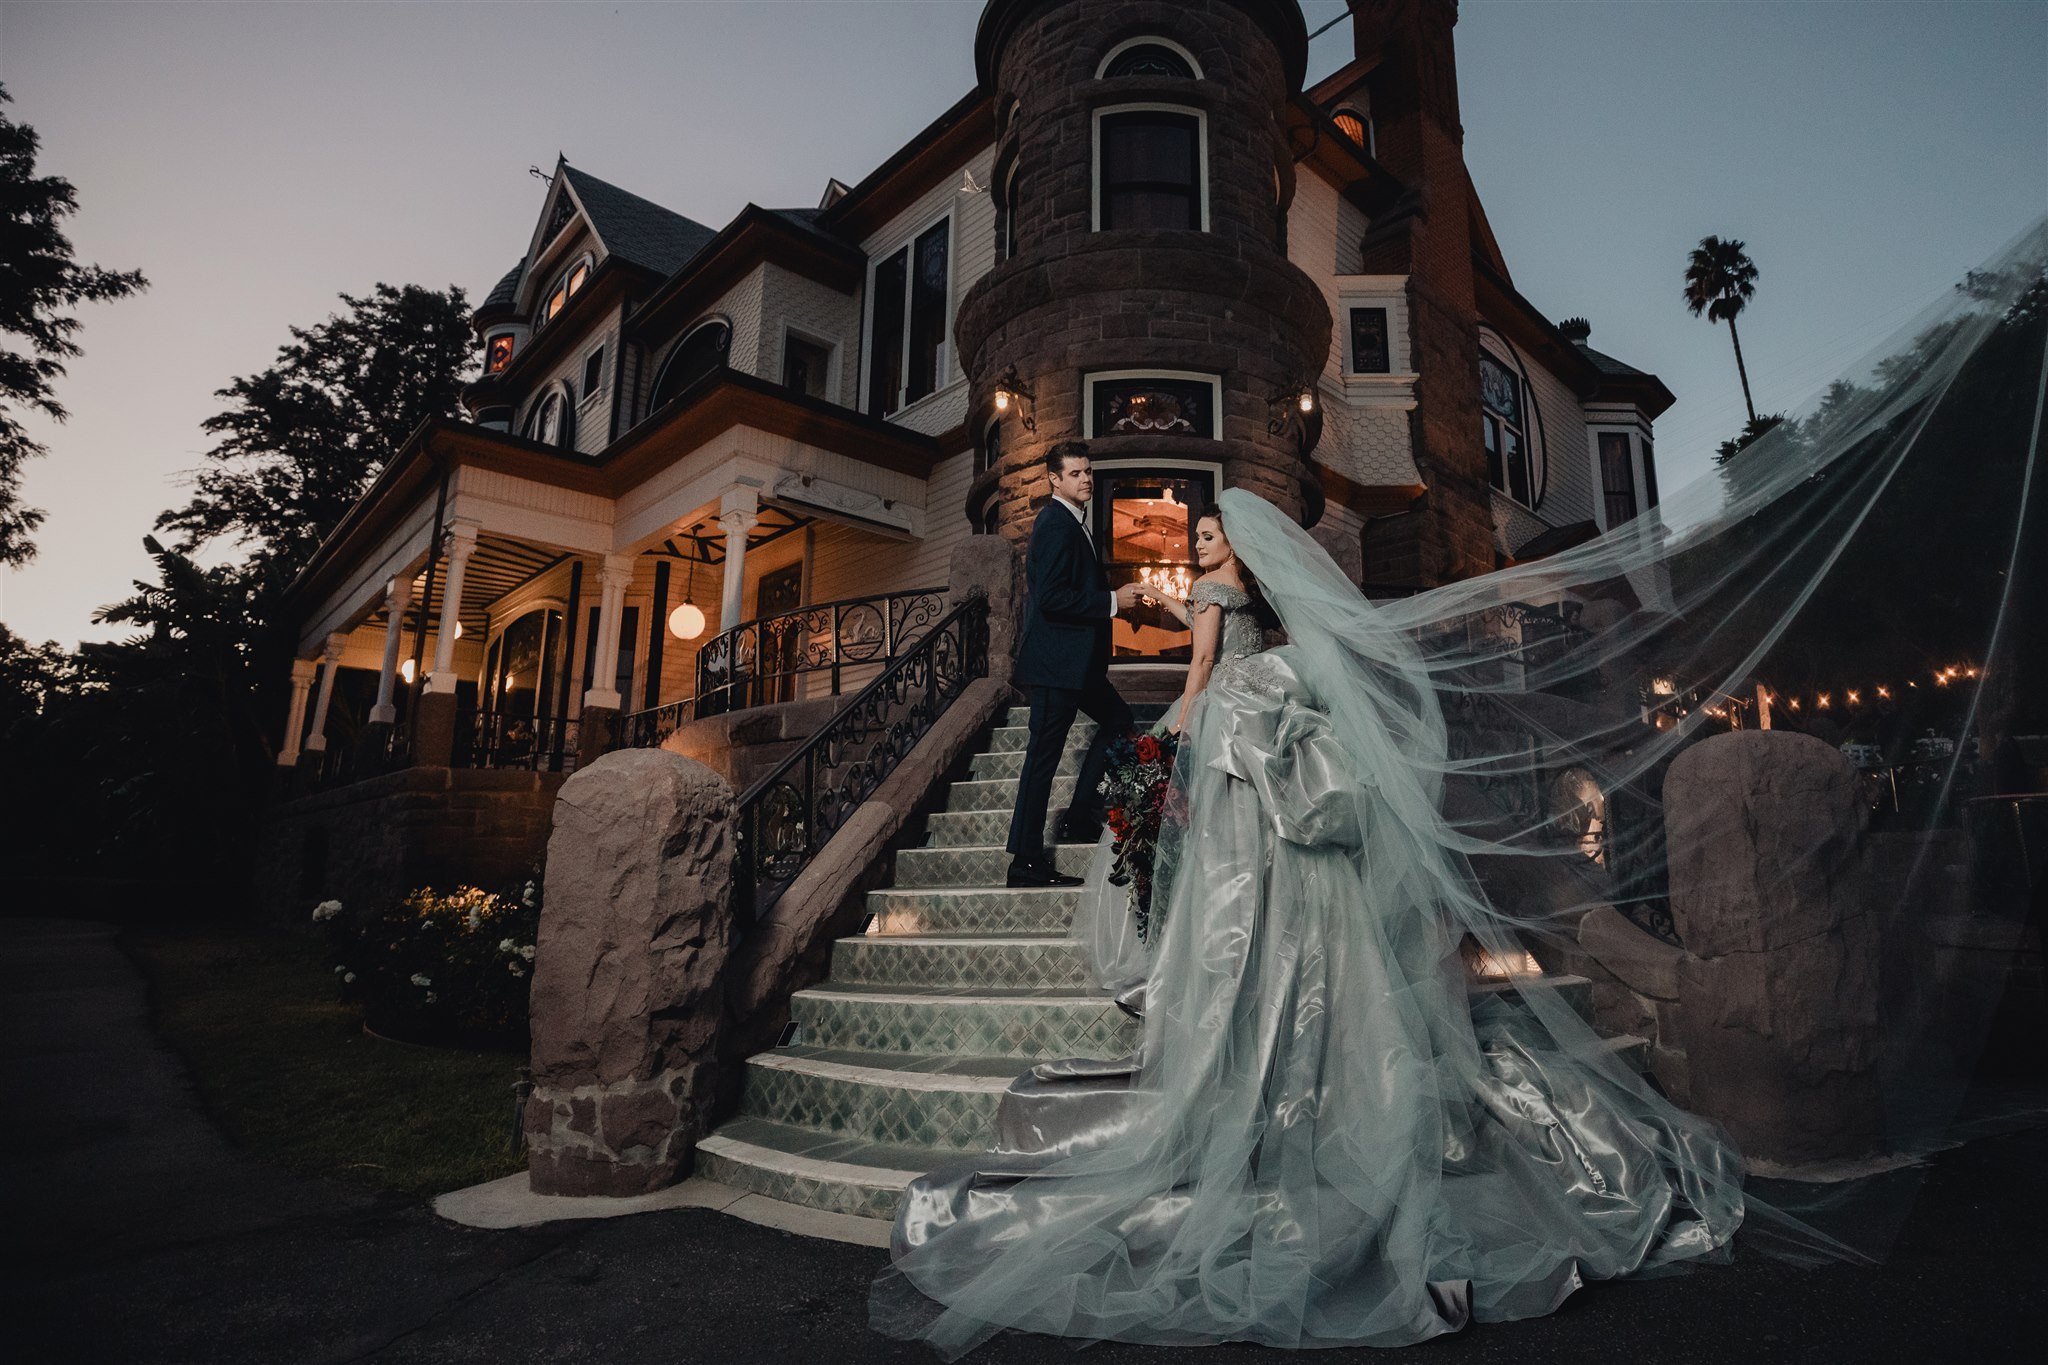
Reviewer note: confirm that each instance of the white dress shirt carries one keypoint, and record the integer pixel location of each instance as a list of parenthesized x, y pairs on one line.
[(1081, 515)]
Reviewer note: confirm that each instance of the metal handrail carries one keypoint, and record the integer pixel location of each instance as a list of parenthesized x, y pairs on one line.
[(784, 819), (825, 637)]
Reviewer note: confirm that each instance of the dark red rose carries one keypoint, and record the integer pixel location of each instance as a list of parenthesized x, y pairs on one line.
[(1148, 749)]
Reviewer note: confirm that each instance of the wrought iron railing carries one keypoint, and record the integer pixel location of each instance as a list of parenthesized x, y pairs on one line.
[(650, 729), (786, 817), (371, 752), (494, 739), (766, 660)]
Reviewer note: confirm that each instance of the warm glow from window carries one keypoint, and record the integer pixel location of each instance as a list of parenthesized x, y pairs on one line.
[(555, 302), (499, 354), (1351, 125), (577, 277)]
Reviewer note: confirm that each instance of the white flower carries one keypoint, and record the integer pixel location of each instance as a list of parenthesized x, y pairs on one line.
[(326, 910), (506, 945), (339, 968), (515, 969), (419, 980), (430, 997), (527, 952), (528, 896), (348, 978), (475, 918)]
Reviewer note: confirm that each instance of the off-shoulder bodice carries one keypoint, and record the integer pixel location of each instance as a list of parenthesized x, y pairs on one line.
[(1242, 635)]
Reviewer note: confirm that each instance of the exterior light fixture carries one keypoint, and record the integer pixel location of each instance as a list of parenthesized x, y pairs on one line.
[(686, 622), (1301, 398), (1009, 389), (405, 671)]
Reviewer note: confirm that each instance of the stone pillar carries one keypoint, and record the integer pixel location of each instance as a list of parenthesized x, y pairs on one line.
[(295, 718), (738, 511), (397, 597), (627, 997), (1779, 987), (330, 659), (991, 566), (601, 703)]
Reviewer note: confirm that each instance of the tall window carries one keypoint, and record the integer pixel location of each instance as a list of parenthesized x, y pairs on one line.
[(1010, 214), (1370, 353), (805, 365), (1617, 477), (1649, 476), (908, 340), (522, 668), (695, 356), (1149, 170), (498, 353), (990, 453), (593, 372), (551, 421), (1506, 429)]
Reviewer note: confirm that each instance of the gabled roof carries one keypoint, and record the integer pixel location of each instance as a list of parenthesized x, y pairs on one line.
[(635, 229), (1608, 365)]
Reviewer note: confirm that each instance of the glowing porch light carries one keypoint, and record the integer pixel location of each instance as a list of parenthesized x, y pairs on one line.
[(686, 622)]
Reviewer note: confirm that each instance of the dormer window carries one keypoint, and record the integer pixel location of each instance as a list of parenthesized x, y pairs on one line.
[(498, 353), (565, 289), (1160, 57)]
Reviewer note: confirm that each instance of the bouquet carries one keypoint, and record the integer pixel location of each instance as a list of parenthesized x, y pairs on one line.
[(1134, 789)]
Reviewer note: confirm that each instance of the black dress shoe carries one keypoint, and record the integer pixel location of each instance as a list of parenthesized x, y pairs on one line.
[(1079, 827), (1026, 873)]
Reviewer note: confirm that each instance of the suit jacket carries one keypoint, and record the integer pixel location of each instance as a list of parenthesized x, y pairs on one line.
[(1065, 640)]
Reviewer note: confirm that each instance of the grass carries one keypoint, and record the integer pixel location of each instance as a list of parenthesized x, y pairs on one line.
[(288, 1071)]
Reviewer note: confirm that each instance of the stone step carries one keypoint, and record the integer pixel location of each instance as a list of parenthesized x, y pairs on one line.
[(945, 1104), (980, 828), (1010, 764), (1006, 739), (1035, 962), (1144, 713), (976, 867), (989, 910), (1000, 793), (1634, 1052), (811, 1168), (962, 1023)]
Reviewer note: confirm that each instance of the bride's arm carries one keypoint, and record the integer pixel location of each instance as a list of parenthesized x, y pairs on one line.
[(1207, 624), (1171, 603)]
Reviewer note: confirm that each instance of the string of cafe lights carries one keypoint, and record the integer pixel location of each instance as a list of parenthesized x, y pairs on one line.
[(1665, 700)]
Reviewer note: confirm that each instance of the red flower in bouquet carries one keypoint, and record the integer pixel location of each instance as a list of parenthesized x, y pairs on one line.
[(1134, 791)]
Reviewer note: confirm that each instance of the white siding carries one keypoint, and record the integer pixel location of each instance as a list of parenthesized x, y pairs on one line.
[(817, 311)]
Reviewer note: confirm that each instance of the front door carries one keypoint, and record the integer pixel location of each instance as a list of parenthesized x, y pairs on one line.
[(1144, 521), (780, 590)]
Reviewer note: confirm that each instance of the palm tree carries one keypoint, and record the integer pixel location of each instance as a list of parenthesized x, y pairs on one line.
[(1719, 280)]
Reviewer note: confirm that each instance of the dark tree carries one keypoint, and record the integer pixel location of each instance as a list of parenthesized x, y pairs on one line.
[(1720, 280), (39, 284)]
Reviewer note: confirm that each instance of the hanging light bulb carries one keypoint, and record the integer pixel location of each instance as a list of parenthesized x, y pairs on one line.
[(686, 622), (1307, 400), (405, 671), (458, 630)]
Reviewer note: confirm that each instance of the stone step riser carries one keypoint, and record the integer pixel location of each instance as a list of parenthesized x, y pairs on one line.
[(1010, 739), (981, 828), (966, 868), (833, 1196), (960, 1120), (918, 964), (1010, 764), (972, 912), (954, 1026), (1001, 794)]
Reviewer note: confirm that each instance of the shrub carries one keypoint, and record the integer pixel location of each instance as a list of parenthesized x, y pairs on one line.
[(439, 966)]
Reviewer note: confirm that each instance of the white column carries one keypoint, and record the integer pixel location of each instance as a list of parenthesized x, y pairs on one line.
[(461, 545), (295, 720), (616, 577), (331, 658), (738, 511), (397, 597)]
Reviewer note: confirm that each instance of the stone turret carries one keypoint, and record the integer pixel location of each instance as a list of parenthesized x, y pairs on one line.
[(1083, 294)]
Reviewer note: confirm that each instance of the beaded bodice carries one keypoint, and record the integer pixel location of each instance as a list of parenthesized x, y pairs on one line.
[(1242, 635)]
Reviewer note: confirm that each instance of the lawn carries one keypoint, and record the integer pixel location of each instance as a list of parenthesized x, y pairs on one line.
[(290, 1074)]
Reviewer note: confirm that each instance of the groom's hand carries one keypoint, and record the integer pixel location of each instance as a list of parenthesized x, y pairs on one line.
[(1129, 595)]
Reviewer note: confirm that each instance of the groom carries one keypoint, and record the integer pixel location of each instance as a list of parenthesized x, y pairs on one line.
[(1063, 665)]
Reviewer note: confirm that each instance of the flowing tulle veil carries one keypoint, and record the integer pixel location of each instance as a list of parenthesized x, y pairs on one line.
[(1490, 759)]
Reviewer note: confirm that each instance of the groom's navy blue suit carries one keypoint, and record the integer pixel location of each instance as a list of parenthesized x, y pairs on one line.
[(1063, 667)]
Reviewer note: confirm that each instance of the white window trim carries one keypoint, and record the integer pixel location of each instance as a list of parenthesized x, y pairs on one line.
[(947, 361), (1213, 468), (676, 347), (560, 280), (1201, 119), (1528, 437), (1215, 383), (1396, 388), (1639, 435), (833, 350), (1148, 40), (562, 388)]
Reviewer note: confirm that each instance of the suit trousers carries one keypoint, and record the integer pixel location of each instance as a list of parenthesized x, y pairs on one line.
[(1052, 715)]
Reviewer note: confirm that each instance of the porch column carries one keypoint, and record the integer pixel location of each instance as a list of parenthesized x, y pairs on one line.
[(738, 511), (434, 735), (601, 697), (330, 658), (295, 718), (397, 597)]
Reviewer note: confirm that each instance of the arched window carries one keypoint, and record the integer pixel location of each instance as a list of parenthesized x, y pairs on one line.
[(522, 666), (1355, 126), (552, 420), (695, 356), (1505, 425), (1149, 57), (571, 284), (1009, 207)]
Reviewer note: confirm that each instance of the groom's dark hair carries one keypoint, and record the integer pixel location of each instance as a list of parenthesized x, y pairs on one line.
[(1057, 457)]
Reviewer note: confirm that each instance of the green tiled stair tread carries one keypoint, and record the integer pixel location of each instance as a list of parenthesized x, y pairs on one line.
[(949, 1113), (1144, 713), (982, 1023), (973, 910), (976, 866), (841, 1175), (1000, 794), (1011, 764), (1012, 738), (977, 828), (1048, 961)]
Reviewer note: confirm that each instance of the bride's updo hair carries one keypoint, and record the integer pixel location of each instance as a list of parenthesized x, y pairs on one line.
[(1262, 610)]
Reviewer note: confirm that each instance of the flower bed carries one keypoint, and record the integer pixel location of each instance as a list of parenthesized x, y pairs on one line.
[(438, 967)]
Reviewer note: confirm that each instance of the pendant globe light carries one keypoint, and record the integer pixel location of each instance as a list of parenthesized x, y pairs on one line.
[(686, 622)]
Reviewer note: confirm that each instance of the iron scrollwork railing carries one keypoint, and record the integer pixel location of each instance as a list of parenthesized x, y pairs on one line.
[(493, 739), (650, 729), (786, 817), (759, 662)]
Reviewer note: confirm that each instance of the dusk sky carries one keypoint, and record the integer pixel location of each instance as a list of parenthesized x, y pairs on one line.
[(254, 160)]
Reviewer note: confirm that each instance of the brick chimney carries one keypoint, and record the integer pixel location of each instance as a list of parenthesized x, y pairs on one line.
[(1427, 236)]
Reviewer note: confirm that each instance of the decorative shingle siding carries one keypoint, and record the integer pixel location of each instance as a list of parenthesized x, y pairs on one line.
[(817, 311)]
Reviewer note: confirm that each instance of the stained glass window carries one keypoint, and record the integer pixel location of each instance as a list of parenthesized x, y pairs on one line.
[(498, 353), (1166, 407), (1149, 59), (1506, 436), (1369, 349)]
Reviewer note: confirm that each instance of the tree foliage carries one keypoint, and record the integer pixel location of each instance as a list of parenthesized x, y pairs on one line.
[(1720, 280), (40, 283)]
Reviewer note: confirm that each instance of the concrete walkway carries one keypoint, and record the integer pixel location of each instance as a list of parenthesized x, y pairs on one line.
[(136, 1233)]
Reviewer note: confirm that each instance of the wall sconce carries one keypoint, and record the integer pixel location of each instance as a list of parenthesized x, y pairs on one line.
[(1010, 390), (1287, 404)]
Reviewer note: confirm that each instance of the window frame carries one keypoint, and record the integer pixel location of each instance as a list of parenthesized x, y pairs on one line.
[(1201, 118), (1521, 429), (1365, 122), (559, 391), (1092, 377), (1149, 40), (810, 338), (682, 340), (907, 246), (1642, 465), (1387, 320), (511, 340), (587, 263), (591, 387)]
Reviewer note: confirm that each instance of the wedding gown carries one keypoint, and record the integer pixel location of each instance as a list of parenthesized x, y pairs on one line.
[(1329, 1135)]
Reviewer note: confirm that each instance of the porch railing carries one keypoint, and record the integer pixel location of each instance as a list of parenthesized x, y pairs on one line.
[(766, 660), (493, 739), (786, 817)]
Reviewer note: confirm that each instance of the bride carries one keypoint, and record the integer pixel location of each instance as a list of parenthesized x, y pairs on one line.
[(1330, 1134)]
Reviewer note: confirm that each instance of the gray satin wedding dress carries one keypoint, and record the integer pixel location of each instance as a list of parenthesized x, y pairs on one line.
[(1328, 1136)]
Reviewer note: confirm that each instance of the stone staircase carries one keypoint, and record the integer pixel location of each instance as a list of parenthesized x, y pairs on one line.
[(958, 985)]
